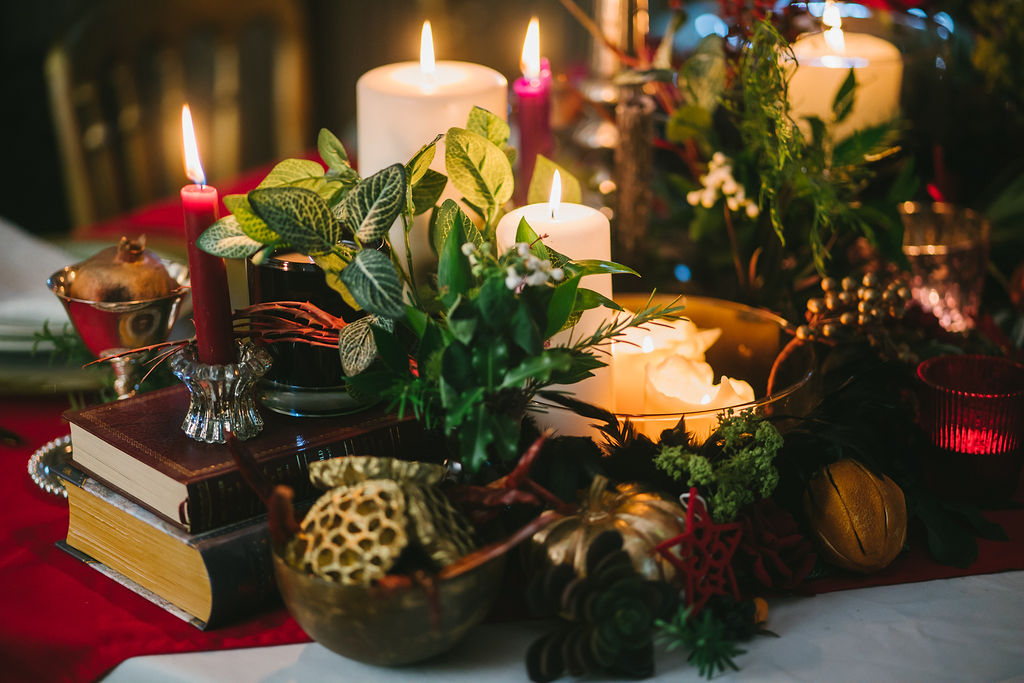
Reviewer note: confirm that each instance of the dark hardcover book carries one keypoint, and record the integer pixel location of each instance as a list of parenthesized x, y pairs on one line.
[(208, 579), (137, 448)]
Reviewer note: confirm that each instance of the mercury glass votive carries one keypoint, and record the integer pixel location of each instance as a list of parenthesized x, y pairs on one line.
[(947, 247), (222, 396)]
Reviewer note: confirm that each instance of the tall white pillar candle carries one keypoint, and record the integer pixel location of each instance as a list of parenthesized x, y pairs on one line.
[(580, 233), (824, 61), (401, 107)]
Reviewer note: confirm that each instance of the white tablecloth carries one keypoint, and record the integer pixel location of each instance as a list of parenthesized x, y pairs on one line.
[(967, 629)]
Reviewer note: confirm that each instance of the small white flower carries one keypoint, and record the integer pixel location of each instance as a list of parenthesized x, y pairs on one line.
[(718, 158), (707, 198), (693, 197), (537, 277), (523, 249), (752, 210), (468, 248), (732, 203), (557, 274), (513, 280)]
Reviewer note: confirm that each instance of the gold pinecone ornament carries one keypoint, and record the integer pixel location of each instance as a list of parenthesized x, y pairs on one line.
[(356, 532)]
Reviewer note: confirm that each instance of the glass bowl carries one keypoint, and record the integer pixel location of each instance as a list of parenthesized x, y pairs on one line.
[(754, 346)]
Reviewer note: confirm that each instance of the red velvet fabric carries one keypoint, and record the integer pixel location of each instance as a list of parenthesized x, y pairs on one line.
[(63, 621)]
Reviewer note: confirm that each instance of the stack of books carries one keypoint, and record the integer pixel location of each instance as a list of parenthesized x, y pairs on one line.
[(173, 519)]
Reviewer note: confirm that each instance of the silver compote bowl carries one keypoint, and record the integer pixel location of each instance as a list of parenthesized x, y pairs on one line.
[(110, 328)]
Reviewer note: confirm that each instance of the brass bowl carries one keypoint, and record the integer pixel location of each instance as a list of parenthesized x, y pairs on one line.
[(388, 625)]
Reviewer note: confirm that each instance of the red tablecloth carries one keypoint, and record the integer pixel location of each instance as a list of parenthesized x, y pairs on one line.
[(65, 621), (62, 620)]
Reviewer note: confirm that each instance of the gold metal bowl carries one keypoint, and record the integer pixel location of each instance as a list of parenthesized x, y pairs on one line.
[(398, 622)]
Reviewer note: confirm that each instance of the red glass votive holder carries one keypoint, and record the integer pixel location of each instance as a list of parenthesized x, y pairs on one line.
[(972, 410)]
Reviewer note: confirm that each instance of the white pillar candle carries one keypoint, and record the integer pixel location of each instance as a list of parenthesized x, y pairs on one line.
[(577, 231), (401, 107), (580, 233), (823, 62)]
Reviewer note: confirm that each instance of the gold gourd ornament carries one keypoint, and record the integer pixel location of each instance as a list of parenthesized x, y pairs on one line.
[(643, 518), (858, 518)]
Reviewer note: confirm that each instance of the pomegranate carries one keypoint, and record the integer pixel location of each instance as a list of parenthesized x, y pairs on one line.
[(126, 272)]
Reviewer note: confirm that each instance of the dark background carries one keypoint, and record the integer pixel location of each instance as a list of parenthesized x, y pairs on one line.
[(345, 37)]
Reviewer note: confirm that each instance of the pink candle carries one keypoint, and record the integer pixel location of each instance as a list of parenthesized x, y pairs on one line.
[(211, 303), (533, 109)]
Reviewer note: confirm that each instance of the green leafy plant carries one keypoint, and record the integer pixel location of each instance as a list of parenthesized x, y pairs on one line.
[(467, 354), (736, 465), (712, 647), (475, 367)]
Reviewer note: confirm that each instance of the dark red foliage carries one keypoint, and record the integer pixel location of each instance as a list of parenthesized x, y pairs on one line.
[(772, 549)]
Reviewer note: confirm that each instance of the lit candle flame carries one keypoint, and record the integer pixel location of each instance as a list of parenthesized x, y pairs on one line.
[(193, 166), (427, 66), (833, 18), (555, 198), (530, 63)]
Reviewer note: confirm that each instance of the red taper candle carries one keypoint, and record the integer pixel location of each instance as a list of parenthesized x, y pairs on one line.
[(211, 302), (533, 109)]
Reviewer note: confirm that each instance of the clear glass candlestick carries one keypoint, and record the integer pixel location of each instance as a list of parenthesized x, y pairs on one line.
[(223, 397)]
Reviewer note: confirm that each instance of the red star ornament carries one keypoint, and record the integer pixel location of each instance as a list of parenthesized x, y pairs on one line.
[(703, 554)]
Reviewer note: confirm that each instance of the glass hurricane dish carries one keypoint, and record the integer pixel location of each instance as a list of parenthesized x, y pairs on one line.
[(754, 346)]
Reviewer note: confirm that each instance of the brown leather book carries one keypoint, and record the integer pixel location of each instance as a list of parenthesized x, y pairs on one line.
[(208, 579), (137, 448)]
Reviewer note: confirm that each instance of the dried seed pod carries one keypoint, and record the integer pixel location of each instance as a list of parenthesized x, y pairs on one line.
[(803, 332), (831, 301), (816, 305), (870, 280), (353, 535), (829, 329), (352, 469), (829, 284), (847, 318), (849, 284), (847, 298)]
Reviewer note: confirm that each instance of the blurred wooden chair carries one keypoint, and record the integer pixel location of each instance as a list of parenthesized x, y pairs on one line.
[(119, 77)]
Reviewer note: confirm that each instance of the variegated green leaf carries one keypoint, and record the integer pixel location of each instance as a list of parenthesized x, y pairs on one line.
[(333, 264), (251, 224), (488, 125), (331, 150), (419, 164), (295, 173), (540, 184), (299, 216), (448, 217), (226, 239), (478, 168), (427, 191), (373, 282), (372, 207), (356, 346)]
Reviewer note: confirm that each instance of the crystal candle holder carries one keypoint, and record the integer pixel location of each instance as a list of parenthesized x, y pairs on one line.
[(972, 410), (222, 396)]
